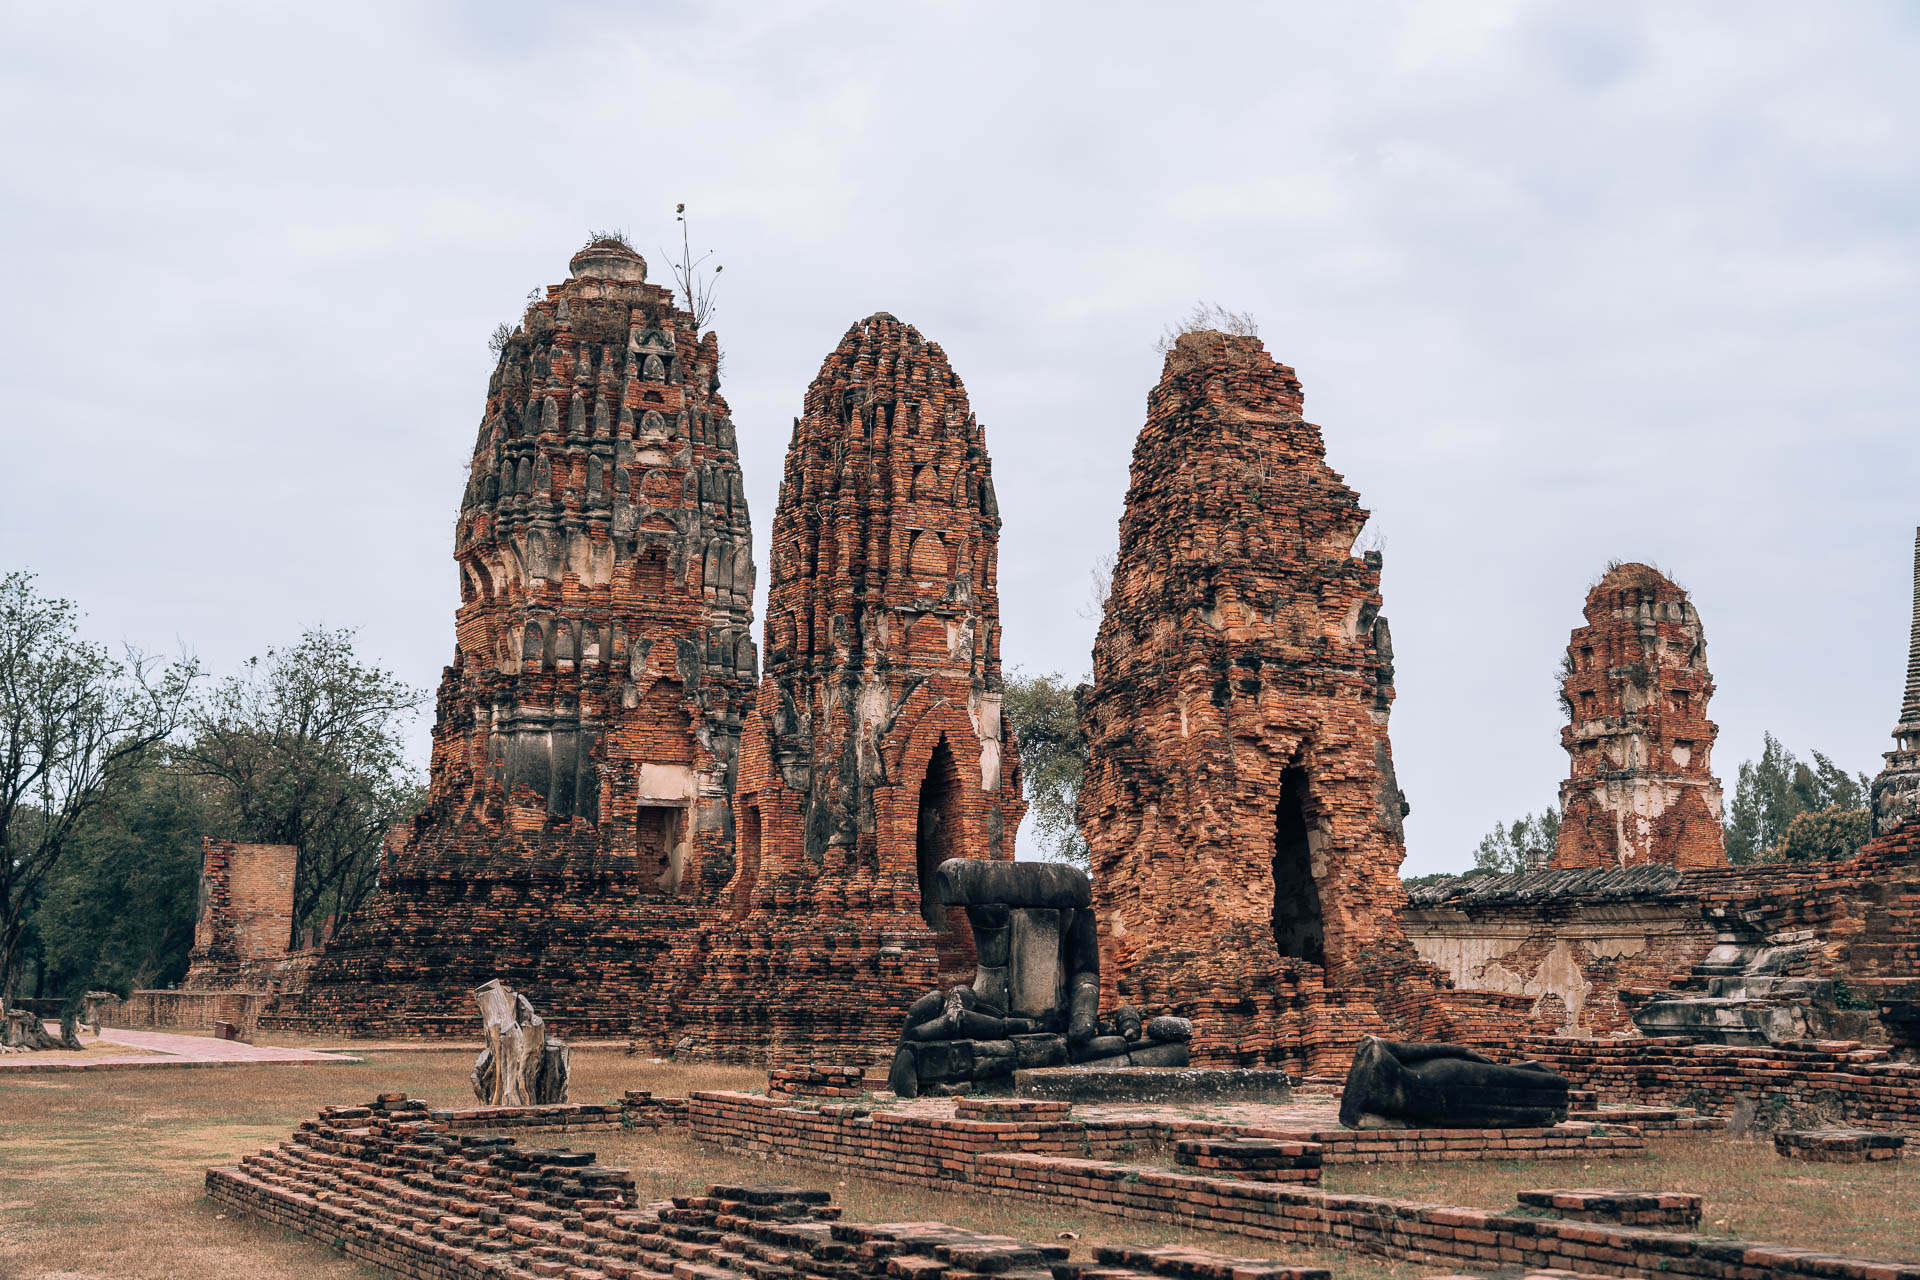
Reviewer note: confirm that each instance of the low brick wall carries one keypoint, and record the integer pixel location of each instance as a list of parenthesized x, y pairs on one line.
[(184, 1011), (638, 1109), (934, 1151), (389, 1186), (1405, 1229), (1848, 1082), (1840, 1146), (1617, 1208), (392, 1189)]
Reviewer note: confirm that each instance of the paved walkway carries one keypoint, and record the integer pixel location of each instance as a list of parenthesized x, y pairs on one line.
[(162, 1049)]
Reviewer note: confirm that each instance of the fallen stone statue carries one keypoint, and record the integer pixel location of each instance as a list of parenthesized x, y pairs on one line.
[(1034, 998), (522, 1065), (1395, 1085)]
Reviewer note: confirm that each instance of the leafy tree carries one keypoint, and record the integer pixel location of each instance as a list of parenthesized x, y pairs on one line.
[(1769, 793), (73, 723), (1045, 719), (304, 748), (1507, 846), (118, 912), (1822, 835)]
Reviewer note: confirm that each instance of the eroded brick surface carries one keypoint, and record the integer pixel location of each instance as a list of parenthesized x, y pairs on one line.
[(1641, 788), (1240, 798), (577, 831), (874, 749)]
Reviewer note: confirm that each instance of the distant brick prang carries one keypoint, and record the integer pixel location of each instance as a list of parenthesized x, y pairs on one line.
[(1240, 798), (875, 749), (1641, 788), (577, 831), (246, 913)]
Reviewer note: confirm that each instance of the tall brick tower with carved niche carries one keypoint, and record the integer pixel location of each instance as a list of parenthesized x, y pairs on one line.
[(1240, 799), (875, 749), (578, 829), (1641, 788)]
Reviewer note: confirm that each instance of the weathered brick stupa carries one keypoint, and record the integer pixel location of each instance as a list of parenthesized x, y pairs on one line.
[(1896, 790), (875, 750), (1240, 799), (577, 830), (1641, 788)]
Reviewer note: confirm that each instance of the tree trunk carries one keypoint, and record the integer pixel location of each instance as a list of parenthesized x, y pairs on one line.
[(22, 1030), (521, 1065)]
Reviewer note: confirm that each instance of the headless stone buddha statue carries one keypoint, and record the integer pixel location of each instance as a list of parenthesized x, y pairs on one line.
[(1034, 998)]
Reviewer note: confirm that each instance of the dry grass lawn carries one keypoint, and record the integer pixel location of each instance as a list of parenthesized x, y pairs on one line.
[(101, 1174)]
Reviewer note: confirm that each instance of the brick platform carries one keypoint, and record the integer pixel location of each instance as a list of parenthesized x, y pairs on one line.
[(1153, 1084), (1620, 1208), (390, 1187), (815, 1082), (1257, 1159), (1002, 1110), (637, 1109), (392, 1190), (929, 1144), (1840, 1146), (1842, 1079)]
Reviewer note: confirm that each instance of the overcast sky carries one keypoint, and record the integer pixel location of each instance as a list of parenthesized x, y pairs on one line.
[(1564, 284)]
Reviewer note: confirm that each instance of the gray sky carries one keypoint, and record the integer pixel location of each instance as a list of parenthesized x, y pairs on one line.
[(1564, 283)]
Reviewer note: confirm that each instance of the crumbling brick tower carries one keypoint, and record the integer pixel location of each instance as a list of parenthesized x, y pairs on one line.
[(1239, 798), (875, 749), (578, 829), (1641, 787)]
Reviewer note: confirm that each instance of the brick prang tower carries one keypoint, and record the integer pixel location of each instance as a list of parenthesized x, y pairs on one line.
[(875, 749), (1240, 799), (1896, 789), (577, 830), (1641, 787)]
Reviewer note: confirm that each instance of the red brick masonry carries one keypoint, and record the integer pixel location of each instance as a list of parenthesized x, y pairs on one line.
[(389, 1186), (1840, 1146)]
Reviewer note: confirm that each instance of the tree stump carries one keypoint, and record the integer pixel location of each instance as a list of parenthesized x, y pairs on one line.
[(522, 1065), (23, 1030)]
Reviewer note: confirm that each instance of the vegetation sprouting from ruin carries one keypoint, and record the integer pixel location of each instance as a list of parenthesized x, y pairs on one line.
[(696, 285), (1207, 317)]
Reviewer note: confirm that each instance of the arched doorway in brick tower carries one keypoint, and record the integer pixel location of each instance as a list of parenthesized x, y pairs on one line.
[(1298, 928), (937, 837)]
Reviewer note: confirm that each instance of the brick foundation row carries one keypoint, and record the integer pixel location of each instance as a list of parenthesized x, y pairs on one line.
[(395, 1191), (638, 1109), (1851, 1083), (933, 1151), (1404, 1229)]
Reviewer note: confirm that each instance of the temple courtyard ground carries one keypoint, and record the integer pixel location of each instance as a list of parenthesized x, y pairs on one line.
[(102, 1173)]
